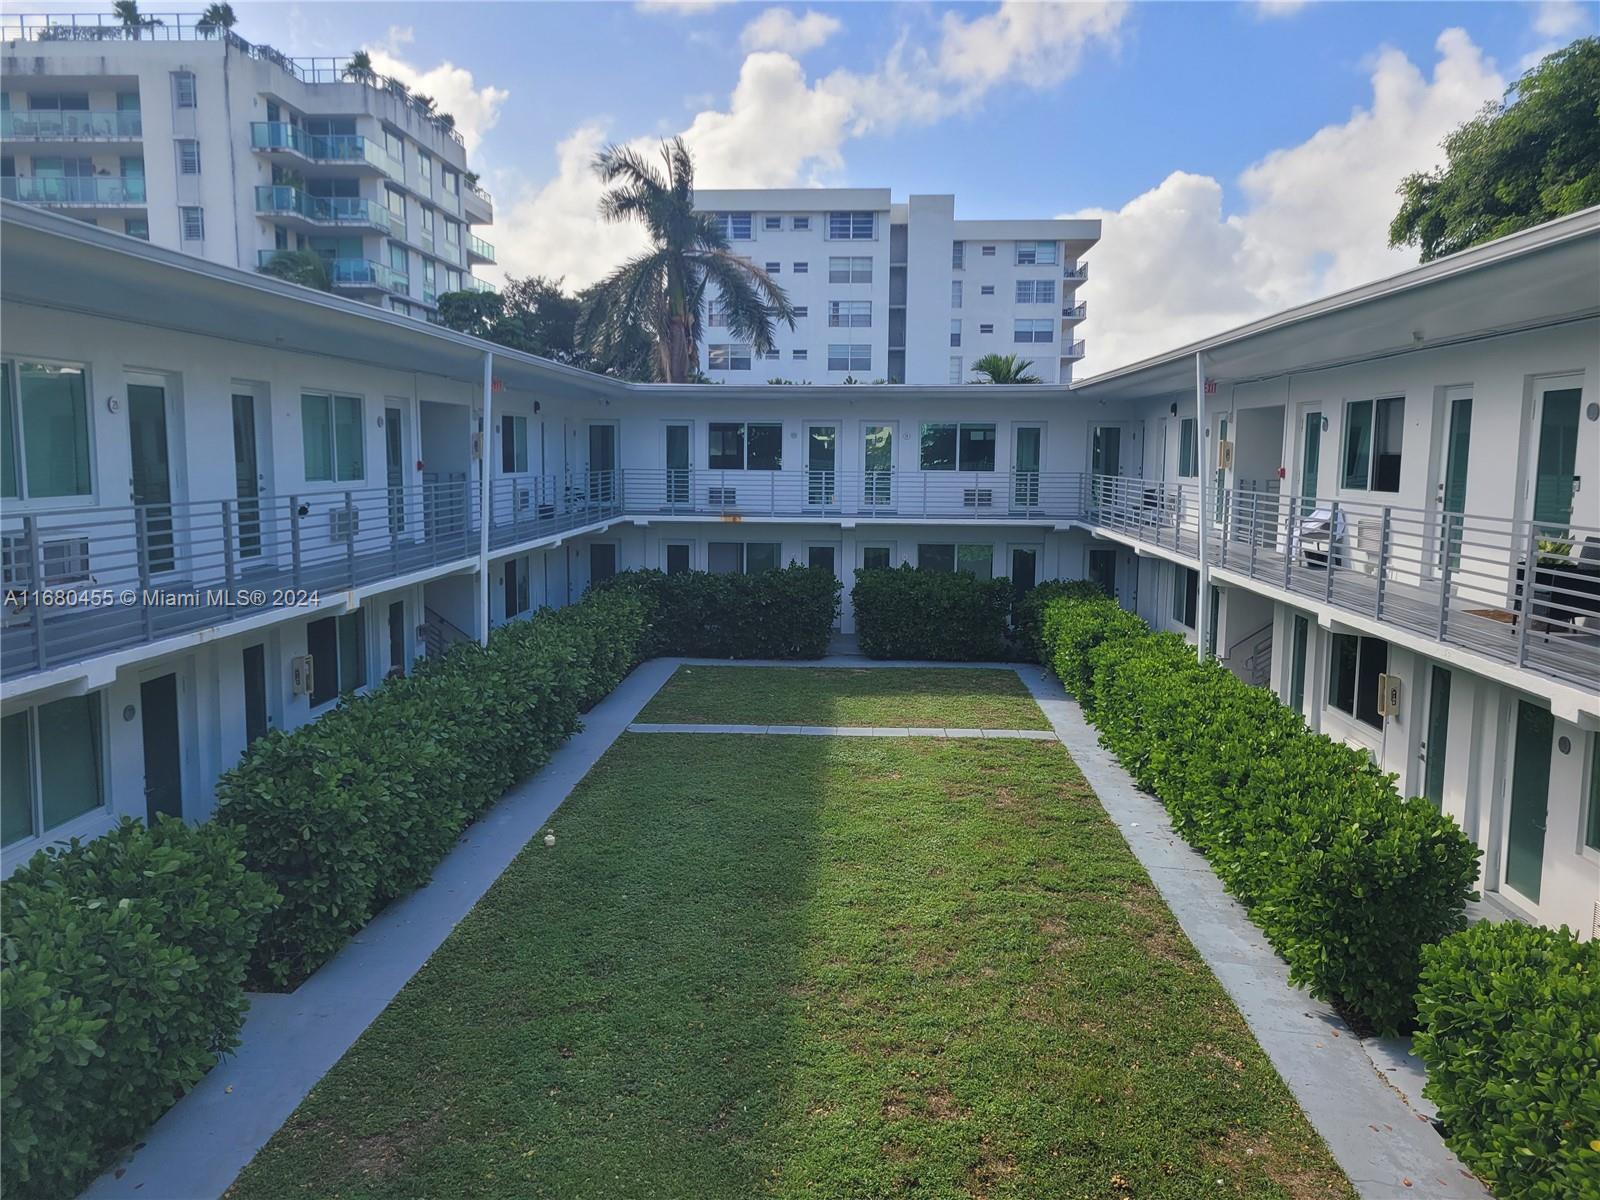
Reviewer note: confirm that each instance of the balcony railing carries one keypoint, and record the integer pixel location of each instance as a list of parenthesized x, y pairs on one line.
[(350, 148), (1456, 578), (281, 199), (471, 283), (479, 249), (74, 191), (1075, 312), (72, 125), (353, 272), (1075, 272), (1072, 349)]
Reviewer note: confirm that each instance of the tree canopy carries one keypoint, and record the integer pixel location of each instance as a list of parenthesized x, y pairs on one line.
[(1524, 160)]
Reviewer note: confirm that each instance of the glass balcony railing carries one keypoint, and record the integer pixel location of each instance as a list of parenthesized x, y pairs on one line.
[(471, 283), (353, 272), (332, 148), (114, 190), (71, 125), (281, 199), (480, 249)]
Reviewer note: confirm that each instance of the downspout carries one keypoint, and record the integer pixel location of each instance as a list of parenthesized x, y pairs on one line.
[(485, 441), (1202, 438)]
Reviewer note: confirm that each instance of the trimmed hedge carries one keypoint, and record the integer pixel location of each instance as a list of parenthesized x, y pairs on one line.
[(1348, 880), (902, 612), (787, 613), (350, 811), (122, 980), (1027, 611), (1510, 1033)]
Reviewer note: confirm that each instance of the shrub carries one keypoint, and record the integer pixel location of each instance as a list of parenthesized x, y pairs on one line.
[(122, 980), (1027, 612), (902, 612), (1510, 1033), (350, 811), (1347, 879), (787, 613)]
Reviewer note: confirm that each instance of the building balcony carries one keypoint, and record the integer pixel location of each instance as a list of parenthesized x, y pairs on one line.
[(1075, 272), (72, 127), (278, 139), (355, 274), (1071, 314), (65, 191), (299, 209), (478, 250), (471, 283), (1072, 350), (476, 205)]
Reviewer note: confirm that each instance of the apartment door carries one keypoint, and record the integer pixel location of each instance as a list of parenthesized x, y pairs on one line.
[(1530, 798), (163, 753), (877, 491), (1024, 569), (822, 462), (1453, 480), (1026, 462), (1103, 570), (679, 462), (247, 476), (602, 462), (825, 556), (1553, 478), (394, 466), (255, 692), (1436, 744), (152, 472), (1299, 646), (1310, 456)]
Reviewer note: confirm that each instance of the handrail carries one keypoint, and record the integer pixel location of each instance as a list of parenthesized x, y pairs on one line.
[(118, 190), (71, 124)]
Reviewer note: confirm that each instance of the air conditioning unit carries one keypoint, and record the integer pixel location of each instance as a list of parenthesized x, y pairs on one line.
[(344, 524), (302, 672), (524, 499), (722, 495), (66, 560), (977, 497)]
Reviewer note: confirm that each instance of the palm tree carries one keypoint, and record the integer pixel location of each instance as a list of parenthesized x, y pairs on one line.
[(1005, 368), (304, 267), (662, 289), (360, 67), (217, 16), (127, 11)]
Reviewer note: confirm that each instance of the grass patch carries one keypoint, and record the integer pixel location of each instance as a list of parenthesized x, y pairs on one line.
[(887, 696), (804, 967)]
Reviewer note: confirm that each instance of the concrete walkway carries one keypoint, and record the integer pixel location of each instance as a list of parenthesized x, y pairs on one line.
[(289, 1042), (1032, 735)]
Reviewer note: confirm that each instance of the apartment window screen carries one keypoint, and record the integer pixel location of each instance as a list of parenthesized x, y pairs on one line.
[(1036, 291), (1033, 330), (856, 269), (774, 268), (852, 226), (1035, 253), (850, 314), (849, 358), (955, 368)]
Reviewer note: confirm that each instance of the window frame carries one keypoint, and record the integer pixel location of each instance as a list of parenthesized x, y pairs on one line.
[(354, 620), (1364, 701), (957, 460), (185, 146), (1036, 326), (958, 550), (729, 224), (744, 455), (196, 213), (37, 828), (846, 225), (1379, 467), (1188, 447), (849, 314), (332, 446), (732, 354), (25, 495), (852, 270), (851, 356), (185, 90), (1033, 251), (1035, 291), (1185, 596)]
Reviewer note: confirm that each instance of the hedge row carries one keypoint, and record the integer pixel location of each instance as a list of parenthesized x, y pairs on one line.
[(356, 808), (1510, 1033), (123, 969), (787, 613), (1348, 880)]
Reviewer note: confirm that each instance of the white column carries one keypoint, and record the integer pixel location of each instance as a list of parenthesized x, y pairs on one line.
[(485, 476), (1202, 439)]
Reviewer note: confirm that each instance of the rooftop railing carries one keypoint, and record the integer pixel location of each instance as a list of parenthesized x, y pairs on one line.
[(72, 125), (86, 190)]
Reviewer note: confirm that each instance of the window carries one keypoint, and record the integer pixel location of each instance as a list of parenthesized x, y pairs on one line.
[(183, 92), (602, 561), (1035, 329), (850, 314), (802, 268), (802, 310), (852, 226), (1035, 253), (850, 270), (516, 581), (986, 289), (987, 251), (955, 293), (978, 558), (430, 289), (193, 220), (716, 313), (450, 181), (1188, 450), (955, 333), (772, 355), (728, 357), (452, 233), (952, 447), (797, 355), (1036, 291), (52, 765), (1185, 595), (849, 358), (801, 223), (1591, 828), (425, 166), (772, 222), (337, 646), (986, 328), (774, 268), (513, 445), (188, 156), (742, 558), (735, 226), (955, 368), (742, 446), (46, 414), (875, 558), (677, 558), (958, 255), (1353, 676), (332, 430), (137, 227), (1373, 432)]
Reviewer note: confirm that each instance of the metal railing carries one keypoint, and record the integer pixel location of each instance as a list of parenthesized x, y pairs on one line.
[(524, 508), (471, 283), (86, 190), (324, 210), (1072, 349), (1076, 272), (479, 249), (1075, 312), (353, 272), (72, 125), (323, 147)]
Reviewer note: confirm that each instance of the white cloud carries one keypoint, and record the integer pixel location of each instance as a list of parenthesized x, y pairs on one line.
[(679, 8), (780, 29), (1560, 18), (1173, 266), (476, 109), (1041, 43), (1266, 9)]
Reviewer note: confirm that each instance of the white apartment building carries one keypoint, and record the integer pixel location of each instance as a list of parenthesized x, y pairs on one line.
[(250, 499), (195, 139), (898, 293)]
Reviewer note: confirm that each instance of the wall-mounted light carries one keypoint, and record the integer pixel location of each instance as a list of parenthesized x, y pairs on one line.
[(1592, 412), (1174, 408), (1324, 424)]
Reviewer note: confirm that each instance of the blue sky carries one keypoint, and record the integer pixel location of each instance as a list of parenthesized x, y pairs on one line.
[(1243, 156)]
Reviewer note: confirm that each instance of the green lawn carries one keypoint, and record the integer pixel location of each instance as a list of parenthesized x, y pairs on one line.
[(883, 696), (810, 967)]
